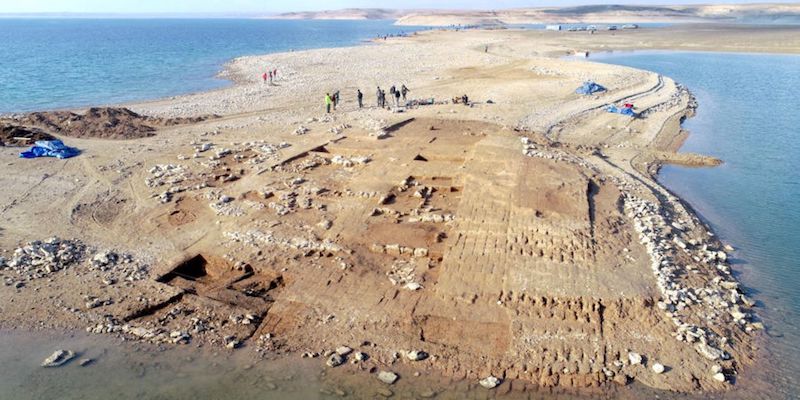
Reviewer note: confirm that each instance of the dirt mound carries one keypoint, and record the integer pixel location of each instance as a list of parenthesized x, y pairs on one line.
[(103, 122), (13, 135)]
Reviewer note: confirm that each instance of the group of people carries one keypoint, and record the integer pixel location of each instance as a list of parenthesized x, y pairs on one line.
[(393, 93), (332, 100), (270, 75)]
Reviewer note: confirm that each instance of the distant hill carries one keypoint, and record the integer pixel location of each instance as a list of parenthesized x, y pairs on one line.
[(347, 13), (750, 13)]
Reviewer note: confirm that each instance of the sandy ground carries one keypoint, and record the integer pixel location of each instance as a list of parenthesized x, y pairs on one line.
[(521, 237)]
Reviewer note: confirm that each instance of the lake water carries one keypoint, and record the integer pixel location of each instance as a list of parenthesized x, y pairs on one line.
[(749, 116), (61, 63)]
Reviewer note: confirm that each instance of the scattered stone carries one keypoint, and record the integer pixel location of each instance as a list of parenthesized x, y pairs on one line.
[(334, 360), (719, 377), (658, 368), (385, 392), (85, 362), (416, 355), (359, 356), (634, 358), (387, 377), (58, 358), (343, 350), (490, 382)]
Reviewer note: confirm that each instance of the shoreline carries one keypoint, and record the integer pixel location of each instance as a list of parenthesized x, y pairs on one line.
[(662, 130)]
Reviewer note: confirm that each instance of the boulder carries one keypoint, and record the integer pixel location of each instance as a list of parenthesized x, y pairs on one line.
[(634, 358), (490, 382), (334, 360), (416, 355), (387, 377), (343, 350), (658, 368)]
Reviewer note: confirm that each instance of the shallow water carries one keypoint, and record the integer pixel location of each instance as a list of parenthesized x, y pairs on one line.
[(748, 116), (63, 63)]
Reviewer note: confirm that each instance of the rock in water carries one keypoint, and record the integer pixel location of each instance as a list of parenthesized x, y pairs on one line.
[(658, 368), (387, 377), (58, 358), (490, 382)]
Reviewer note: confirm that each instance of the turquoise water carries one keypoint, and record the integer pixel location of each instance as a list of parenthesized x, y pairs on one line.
[(61, 63), (749, 116)]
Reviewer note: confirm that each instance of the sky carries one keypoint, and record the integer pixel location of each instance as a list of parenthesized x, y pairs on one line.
[(273, 6)]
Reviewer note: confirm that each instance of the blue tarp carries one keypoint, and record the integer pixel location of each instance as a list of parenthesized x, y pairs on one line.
[(589, 87), (621, 110), (50, 148)]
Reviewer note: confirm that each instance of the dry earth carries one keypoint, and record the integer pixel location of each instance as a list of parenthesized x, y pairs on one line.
[(522, 238)]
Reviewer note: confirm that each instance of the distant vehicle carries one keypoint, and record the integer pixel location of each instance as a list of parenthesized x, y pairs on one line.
[(553, 27), (572, 29), (630, 26), (611, 28), (581, 28), (591, 28)]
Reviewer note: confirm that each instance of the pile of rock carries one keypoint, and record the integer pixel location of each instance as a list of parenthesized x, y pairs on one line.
[(531, 149), (403, 273), (258, 238), (398, 250), (350, 161), (118, 266), (663, 241), (40, 259)]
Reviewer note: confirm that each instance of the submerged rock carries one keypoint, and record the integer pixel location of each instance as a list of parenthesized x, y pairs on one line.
[(58, 358)]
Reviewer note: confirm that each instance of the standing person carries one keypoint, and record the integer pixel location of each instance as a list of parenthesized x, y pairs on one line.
[(328, 102), (397, 98), (378, 96), (404, 90), (392, 90), (335, 99), (264, 77), (360, 97), (275, 73), (383, 99), (270, 77)]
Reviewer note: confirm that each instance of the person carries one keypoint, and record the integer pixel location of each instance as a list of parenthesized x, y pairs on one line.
[(397, 98), (335, 99), (360, 97), (404, 90), (328, 102), (378, 96), (383, 98), (392, 90), (265, 77), (275, 73), (465, 100)]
